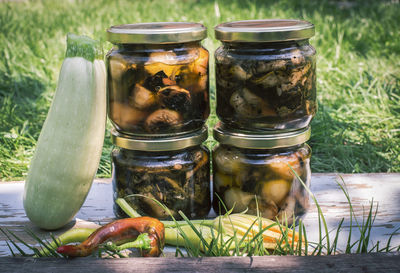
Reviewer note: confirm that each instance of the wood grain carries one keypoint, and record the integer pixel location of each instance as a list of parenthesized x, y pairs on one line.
[(341, 263), (383, 188)]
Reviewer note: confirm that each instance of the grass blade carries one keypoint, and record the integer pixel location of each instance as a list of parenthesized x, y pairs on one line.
[(335, 240), (320, 213), (43, 244), (11, 250), (23, 253)]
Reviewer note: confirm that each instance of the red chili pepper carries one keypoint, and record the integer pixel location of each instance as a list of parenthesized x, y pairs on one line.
[(121, 231)]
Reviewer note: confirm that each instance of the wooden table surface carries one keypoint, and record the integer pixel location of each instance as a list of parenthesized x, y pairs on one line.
[(383, 188)]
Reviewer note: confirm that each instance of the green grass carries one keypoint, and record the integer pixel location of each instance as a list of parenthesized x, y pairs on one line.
[(221, 236), (357, 128)]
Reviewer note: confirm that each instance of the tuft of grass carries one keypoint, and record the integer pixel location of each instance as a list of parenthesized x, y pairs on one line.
[(205, 241)]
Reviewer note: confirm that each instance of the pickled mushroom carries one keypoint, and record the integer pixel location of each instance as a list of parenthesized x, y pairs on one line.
[(295, 77), (126, 116), (200, 65), (249, 105), (270, 79), (279, 165), (174, 97), (228, 161), (165, 61), (117, 67), (157, 81), (279, 65), (239, 73), (237, 199), (275, 190), (142, 98), (222, 180), (194, 76), (161, 119), (226, 83), (193, 82), (155, 68), (296, 57), (201, 84), (285, 111), (249, 178), (166, 57), (262, 67)]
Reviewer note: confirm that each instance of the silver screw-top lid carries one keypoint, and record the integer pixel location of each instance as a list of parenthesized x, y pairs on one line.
[(271, 30), (250, 140), (155, 144), (156, 33)]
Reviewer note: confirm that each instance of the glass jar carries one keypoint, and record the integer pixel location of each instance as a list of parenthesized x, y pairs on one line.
[(173, 171), (157, 78), (266, 74), (252, 171)]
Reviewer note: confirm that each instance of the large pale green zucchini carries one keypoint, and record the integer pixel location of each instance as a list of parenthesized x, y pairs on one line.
[(68, 151)]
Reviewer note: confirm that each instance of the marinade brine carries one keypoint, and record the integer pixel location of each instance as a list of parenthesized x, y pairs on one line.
[(266, 75), (158, 88), (266, 87), (251, 179), (175, 172), (260, 174)]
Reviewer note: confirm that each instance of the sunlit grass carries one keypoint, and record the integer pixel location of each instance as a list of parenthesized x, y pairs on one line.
[(358, 44), (211, 238)]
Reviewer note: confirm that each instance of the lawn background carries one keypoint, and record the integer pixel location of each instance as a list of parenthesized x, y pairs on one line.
[(357, 128)]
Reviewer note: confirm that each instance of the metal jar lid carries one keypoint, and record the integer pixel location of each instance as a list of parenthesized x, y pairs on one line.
[(156, 33), (271, 30), (159, 144), (245, 139)]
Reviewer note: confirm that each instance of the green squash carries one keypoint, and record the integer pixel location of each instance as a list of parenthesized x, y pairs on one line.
[(68, 151)]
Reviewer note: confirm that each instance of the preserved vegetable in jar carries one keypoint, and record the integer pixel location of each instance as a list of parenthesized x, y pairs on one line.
[(158, 78), (252, 172), (266, 75), (174, 171)]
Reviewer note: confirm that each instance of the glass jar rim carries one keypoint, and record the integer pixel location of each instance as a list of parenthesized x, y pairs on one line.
[(265, 30), (268, 140), (159, 144), (156, 33)]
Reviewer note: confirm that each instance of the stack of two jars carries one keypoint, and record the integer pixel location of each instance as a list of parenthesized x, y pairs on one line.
[(158, 102)]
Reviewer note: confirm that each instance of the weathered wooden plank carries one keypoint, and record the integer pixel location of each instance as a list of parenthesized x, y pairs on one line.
[(341, 263), (384, 188)]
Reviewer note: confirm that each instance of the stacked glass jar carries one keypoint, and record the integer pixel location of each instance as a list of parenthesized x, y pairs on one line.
[(266, 98), (158, 102)]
